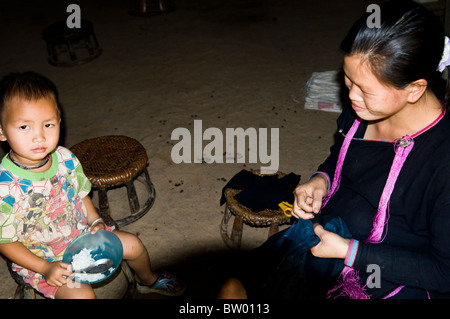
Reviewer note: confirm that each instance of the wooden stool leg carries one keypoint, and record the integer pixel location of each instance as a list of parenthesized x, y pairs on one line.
[(51, 53), (29, 293), (89, 46), (143, 5), (103, 201), (138, 210), (132, 197), (147, 183), (236, 233), (70, 48), (162, 5), (130, 279), (24, 293), (233, 241), (273, 229), (224, 226)]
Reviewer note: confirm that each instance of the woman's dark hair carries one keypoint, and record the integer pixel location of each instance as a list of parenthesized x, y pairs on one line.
[(405, 47), (28, 86)]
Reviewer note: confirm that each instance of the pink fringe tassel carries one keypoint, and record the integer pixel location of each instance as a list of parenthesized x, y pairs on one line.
[(349, 282), (402, 150), (349, 285)]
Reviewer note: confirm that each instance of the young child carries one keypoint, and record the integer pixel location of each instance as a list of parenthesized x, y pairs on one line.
[(388, 174), (43, 196)]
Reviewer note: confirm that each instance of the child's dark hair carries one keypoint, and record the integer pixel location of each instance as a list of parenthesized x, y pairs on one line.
[(407, 46), (28, 86)]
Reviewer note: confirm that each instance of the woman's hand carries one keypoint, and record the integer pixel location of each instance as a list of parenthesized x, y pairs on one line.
[(57, 273), (308, 197), (331, 245)]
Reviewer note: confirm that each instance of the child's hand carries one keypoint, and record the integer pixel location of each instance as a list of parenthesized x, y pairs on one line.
[(97, 227), (308, 197), (57, 273)]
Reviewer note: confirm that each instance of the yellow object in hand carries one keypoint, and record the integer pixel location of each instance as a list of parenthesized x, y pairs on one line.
[(287, 208)]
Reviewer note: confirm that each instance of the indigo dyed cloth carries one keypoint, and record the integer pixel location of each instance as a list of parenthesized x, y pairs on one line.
[(284, 268), (262, 192)]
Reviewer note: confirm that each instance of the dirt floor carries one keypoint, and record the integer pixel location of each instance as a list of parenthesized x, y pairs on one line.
[(229, 63)]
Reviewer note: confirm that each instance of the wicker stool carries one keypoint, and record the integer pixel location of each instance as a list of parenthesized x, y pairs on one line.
[(23, 290), (147, 8), (114, 161), (266, 218), (69, 47)]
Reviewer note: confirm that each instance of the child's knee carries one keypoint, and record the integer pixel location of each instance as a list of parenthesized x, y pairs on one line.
[(86, 294), (75, 291), (132, 245)]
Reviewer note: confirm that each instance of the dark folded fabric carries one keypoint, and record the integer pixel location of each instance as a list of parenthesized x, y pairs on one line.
[(288, 252), (262, 192), (300, 238)]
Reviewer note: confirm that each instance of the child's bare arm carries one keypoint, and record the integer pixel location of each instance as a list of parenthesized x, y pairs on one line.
[(92, 214), (55, 273)]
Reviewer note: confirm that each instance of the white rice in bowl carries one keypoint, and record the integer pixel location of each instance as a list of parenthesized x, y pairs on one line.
[(82, 260)]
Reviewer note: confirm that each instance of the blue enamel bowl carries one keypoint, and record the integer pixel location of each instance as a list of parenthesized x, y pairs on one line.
[(104, 244)]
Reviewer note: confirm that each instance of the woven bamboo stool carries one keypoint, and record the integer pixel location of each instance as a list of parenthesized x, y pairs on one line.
[(70, 47), (146, 8), (265, 218), (115, 161)]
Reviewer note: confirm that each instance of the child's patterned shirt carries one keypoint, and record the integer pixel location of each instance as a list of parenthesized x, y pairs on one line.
[(43, 211)]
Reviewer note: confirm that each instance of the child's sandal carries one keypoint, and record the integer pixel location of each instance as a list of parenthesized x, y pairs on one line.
[(166, 284)]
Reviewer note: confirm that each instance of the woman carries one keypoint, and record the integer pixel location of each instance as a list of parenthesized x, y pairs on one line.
[(387, 176)]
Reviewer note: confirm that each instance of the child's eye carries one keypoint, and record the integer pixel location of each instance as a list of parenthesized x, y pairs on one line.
[(24, 127), (49, 125)]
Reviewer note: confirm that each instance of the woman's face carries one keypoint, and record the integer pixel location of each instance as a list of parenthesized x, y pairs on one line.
[(371, 99)]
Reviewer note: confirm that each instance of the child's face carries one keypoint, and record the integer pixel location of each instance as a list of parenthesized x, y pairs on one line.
[(31, 128), (371, 99)]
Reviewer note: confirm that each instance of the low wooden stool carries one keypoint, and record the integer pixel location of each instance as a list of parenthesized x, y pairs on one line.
[(115, 161), (146, 8), (70, 47), (266, 218)]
